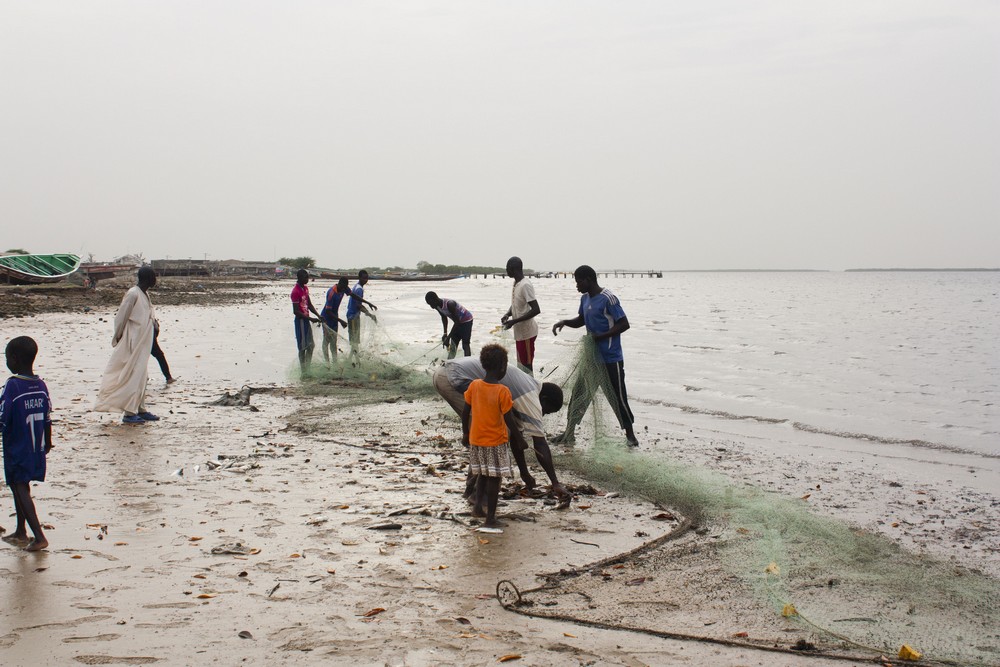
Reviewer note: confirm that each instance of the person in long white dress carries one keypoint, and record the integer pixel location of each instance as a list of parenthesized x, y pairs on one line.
[(123, 387)]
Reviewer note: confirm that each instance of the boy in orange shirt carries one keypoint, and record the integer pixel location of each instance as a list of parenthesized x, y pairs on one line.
[(486, 423)]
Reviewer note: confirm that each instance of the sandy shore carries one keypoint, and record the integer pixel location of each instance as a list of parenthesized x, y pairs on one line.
[(326, 527)]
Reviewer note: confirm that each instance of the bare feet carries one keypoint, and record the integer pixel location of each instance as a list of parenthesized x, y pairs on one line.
[(495, 523), (171, 380), (17, 539), (37, 544), (564, 496), (529, 482)]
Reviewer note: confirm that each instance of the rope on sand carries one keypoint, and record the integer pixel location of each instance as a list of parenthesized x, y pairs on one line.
[(511, 599)]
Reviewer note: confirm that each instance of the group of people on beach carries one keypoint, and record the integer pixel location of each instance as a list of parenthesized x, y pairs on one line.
[(329, 316), (500, 407)]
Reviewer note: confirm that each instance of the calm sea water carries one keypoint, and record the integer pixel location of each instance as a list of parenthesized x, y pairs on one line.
[(902, 362), (909, 359)]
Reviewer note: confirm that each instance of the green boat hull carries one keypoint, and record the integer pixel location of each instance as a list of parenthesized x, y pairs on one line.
[(37, 269)]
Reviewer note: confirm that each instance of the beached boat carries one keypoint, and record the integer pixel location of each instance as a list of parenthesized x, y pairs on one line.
[(92, 272), (37, 269)]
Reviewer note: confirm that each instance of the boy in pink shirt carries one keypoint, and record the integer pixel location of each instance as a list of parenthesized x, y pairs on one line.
[(301, 307)]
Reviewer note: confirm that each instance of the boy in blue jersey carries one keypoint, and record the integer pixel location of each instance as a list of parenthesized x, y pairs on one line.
[(26, 426), (605, 320), (355, 307), (331, 315)]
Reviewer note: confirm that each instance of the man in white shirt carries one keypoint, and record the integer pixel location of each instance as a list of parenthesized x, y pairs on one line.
[(520, 317)]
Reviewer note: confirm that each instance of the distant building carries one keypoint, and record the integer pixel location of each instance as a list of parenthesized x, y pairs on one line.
[(224, 267)]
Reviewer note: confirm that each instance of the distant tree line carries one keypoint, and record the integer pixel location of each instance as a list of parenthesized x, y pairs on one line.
[(436, 269), (298, 262)]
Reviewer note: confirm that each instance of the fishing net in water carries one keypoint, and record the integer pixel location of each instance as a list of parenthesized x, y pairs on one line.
[(755, 568), (766, 558), (377, 364)]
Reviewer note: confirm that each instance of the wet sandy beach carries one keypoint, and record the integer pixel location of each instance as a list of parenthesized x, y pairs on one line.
[(260, 535)]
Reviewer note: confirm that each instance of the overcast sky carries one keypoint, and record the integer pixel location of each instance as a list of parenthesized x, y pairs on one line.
[(668, 135)]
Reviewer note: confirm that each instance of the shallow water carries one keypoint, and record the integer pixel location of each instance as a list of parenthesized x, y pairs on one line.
[(908, 358), (900, 365)]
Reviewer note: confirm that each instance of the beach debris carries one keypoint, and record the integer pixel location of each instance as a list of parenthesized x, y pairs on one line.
[(408, 510), (245, 634), (240, 399), (803, 645), (589, 544), (373, 612), (908, 653), (772, 568), (236, 548), (206, 596), (276, 587), (789, 610), (386, 526), (508, 658), (463, 620), (486, 529), (636, 582), (741, 635)]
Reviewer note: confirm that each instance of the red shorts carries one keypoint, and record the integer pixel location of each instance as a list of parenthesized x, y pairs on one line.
[(526, 351)]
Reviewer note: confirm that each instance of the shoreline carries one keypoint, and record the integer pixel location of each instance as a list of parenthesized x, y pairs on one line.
[(309, 477)]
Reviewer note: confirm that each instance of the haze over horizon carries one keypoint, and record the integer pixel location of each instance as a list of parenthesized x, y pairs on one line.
[(632, 135)]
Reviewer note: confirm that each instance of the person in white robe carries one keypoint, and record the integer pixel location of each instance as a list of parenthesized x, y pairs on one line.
[(123, 388)]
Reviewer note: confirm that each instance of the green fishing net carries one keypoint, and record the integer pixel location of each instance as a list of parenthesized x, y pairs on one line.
[(852, 587), (765, 560)]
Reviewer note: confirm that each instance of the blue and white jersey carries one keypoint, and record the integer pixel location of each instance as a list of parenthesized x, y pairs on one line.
[(24, 411), (354, 305), (599, 315)]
